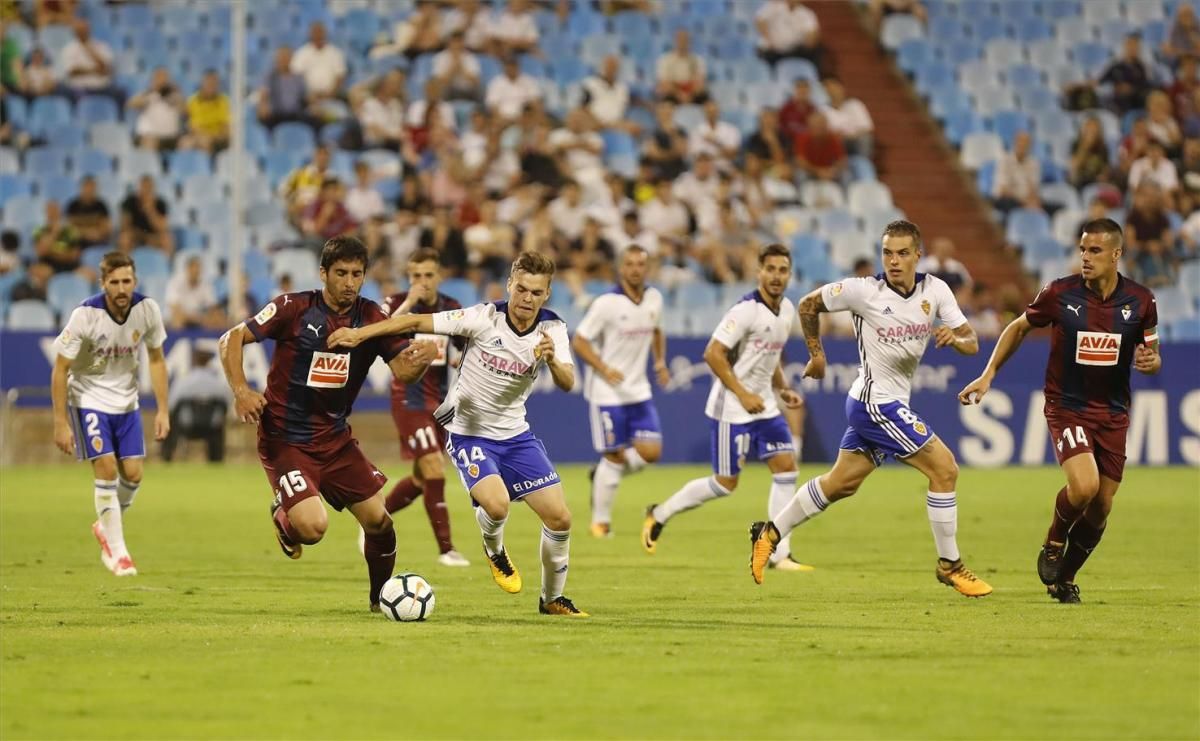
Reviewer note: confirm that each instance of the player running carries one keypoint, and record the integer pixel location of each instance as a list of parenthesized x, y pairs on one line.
[(1103, 324), (421, 437), (304, 440), (744, 355), (615, 338), (94, 389), (499, 460), (893, 315)]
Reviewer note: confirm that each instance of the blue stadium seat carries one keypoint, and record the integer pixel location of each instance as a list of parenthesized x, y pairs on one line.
[(9, 161), (1037, 100), (43, 161), (849, 246), (1003, 53), (112, 137), (961, 124), (985, 176), (1174, 302), (792, 69), (946, 101), (817, 194), (1056, 10), (1018, 10), (186, 163), (61, 188), (695, 294), (875, 221), (947, 27), (980, 147), (150, 262), (1154, 33), (65, 291), (300, 264), (868, 195), (1037, 251), (14, 185), (30, 315), (93, 109), (294, 137), (1008, 123), (64, 136), (935, 76), (1186, 329), (133, 165), (914, 53), (92, 162), (992, 99), (1032, 29), (1022, 75), (836, 220), (898, 29), (1113, 31), (1092, 56), (17, 109), (805, 244), (1026, 225), (90, 257)]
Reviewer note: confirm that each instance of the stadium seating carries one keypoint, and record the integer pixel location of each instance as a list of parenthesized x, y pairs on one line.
[(30, 314)]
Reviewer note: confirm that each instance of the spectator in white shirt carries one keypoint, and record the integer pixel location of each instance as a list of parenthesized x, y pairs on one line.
[(665, 215), (631, 232), (191, 302), (606, 98), (420, 33), (680, 73), (940, 262), (89, 65), (420, 112), (787, 28), (698, 187), (849, 119), (382, 114), (38, 76), (1018, 177), (567, 212), (363, 201), (474, 22), (322, 65), (508, 93), (1155, 168), (516, 31), (458, 70), (714, 137), (580, 149), (159, 122)]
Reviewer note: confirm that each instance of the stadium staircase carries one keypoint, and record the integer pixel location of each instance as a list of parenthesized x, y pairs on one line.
[(912, 156)]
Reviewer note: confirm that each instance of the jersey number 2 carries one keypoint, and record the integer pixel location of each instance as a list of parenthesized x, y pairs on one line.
[(93, 424)]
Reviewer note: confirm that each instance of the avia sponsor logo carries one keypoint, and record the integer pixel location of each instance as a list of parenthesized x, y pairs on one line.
[(497, 364), (899, 334), (329, 370), (531, 484), (1097, 348)]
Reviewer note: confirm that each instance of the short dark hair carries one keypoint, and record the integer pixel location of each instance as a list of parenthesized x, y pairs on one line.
[(425, 254), (113, 261), (533, 263), (634, 247), (773, 250), (902, 228), (1107, 227), (343, 249)]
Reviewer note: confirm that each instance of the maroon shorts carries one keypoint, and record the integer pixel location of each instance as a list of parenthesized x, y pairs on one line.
[(339, 472), (1104, 439), (420, 435)]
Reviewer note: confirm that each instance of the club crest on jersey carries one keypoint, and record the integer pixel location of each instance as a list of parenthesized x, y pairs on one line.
[(920, 428), (836, 289), (925, 307), (1097, 348), (97, 444), (473, 470), (329, 370), (264, 316), (137, 335), (1126, 312)]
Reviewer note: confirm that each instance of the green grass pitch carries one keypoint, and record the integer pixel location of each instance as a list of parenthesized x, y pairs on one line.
[(221, 637)]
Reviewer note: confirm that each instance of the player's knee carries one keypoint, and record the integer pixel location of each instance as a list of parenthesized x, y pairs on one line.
[(944, 477), (497, 510), (105, 468), (380, 524), (1084, 487), (650, 455), (615, 458), (558, 521), (310, 531), (131, 475), (839, 488), (728, 483)]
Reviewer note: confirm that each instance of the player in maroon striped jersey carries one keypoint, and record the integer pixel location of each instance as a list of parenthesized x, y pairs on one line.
[(304, 440), (421, 437), (1103, 323)]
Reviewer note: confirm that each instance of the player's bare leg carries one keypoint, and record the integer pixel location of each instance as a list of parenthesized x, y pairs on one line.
[(1082, 540), (693, 494), (108, 528), (783, 489), (380, 547), (1083, 483), (491, 494), (849, 471), (795, 417), (551, 506), (304, 524), (936, 461), (607, 475)]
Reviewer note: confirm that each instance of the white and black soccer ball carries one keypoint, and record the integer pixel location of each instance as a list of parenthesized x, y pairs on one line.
[(406, 598)]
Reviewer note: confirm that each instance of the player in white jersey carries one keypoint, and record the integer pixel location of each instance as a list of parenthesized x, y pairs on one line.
[(744, 355), (499, 460), (615, 339), (893, 315), (94, 389)]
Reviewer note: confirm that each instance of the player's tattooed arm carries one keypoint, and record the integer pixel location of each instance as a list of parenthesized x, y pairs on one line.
[(247, 403), (1010, 339), (963, 339), (811, 307)]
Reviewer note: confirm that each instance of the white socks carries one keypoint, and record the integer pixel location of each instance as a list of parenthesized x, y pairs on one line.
[(809, 502), (108, 511), (556, 549), (604, 489), (633, 461), (783, 488), (942, 509), (126, 491), (693, 494), (493, 531)]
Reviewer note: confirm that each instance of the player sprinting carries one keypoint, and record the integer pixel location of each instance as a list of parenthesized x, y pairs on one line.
[(1103, 324), (304, 440), (94, 390), (421, 437), (744, 355), (615, 338), (499, 459), (893, 315)]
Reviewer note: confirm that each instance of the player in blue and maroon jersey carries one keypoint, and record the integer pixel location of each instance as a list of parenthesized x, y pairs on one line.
[(304, 439), (421, 437), (1103, 324)]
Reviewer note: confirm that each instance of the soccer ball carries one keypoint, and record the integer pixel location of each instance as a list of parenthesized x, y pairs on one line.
[(407, 597)]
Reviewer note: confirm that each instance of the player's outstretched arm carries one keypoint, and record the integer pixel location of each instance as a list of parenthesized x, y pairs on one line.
[(64, 438), (717, 357), (962, 339), (247, 403), (811, 307), (1010, 339), (658, 349), (158, 382), (410, 364), (398, 324)]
